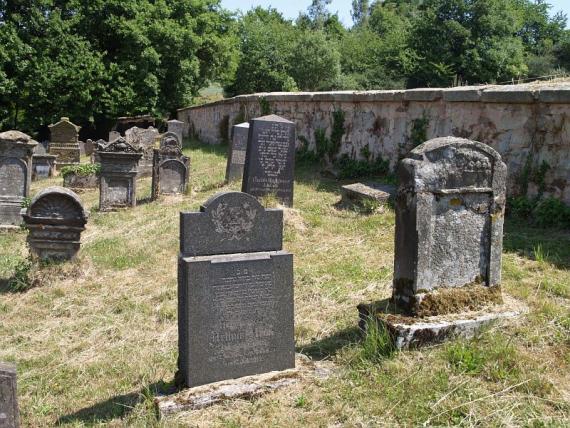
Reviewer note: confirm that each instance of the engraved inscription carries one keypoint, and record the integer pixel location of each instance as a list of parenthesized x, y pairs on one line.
[(238, 157), (244, 303), (118, 191), (273, 147), (12, 177), (172, 177)]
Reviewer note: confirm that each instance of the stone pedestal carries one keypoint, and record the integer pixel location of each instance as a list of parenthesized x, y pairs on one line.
[(16, 150), (170, 167), (55, 220), (235, 292), (9, 417), (117, 180)]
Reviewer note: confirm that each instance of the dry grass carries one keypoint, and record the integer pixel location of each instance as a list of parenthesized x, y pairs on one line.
[(94, 346)]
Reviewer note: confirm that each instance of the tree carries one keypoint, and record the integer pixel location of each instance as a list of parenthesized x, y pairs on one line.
[(360, 12)]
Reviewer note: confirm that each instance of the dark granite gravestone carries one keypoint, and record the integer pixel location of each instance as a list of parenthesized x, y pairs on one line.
[(43, 164), (8, 397), (236, 152), (16, 150), (235, 291), (145, 139), (117, 179), (449, 230), (176, 127), (270, 158), (64, 142), (55, 220), (170, 167)]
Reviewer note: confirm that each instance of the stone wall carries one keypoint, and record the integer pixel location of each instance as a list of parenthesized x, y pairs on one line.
[(527, 124)]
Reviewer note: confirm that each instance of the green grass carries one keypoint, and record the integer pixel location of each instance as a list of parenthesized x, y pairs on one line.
[(96, 340)]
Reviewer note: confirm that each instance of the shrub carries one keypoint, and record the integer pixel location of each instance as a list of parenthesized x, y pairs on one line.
[(352, 168), (83, 169), (548, 212)]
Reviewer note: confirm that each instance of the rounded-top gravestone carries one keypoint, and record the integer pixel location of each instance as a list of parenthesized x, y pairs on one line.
[(55, 220)]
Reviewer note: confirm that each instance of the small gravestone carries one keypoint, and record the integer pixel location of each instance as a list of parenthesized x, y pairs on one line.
[(88, 146), (449, 230), (145, 139), (235, 291), (55, 220), (177, 127), (236, 152), (270, 158), (64, 142), (117, 180), (43, 164), (170, 167), (369, 192), (16, 149), (8, 397)]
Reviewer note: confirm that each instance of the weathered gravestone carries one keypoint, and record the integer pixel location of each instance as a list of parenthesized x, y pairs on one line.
[(145, 139), (43, 164), (170, 167), (449, 231), (64, 142), (236, 152), (16, 150), (177, 127), (235, 291), (113, 135), (55, 220), (8, 397), (270, 158), (117, 179)]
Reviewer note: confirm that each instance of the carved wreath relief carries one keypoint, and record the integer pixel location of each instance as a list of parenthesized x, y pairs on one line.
[(233, 222)]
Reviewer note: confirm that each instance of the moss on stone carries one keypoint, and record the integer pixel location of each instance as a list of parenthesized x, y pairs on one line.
[(453, 300)]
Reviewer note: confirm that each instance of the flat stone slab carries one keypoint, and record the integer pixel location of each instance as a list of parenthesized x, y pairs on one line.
[(248, 387), (359, 192), (410, 332)]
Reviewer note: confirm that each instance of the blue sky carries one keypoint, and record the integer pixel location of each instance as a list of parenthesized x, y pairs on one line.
[(291, 8)]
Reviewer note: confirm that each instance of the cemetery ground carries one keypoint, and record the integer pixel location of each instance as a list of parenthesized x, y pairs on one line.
[(96, 339)]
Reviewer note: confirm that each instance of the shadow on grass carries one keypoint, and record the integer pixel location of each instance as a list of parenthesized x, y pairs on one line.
[(116, 407), (525, 240), (329, 346)]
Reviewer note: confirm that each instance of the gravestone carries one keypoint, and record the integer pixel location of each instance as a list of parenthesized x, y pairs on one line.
[(177, 127), (145, 139), (55, 220), (270, 158), (43, 164), (16, 149), (117, 179), (9, 417), (236, 152), (449, 230), (235, 291), (88, 147), (170, 167), (369, 192), (113, 135), (64, 142)]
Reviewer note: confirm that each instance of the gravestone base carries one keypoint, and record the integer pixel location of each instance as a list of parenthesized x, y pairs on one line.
[(51, 242), (362, 193), (10, 213), (248, 387), (409, 332)]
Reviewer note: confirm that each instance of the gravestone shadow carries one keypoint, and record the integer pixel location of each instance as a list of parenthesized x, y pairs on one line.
[(328, 347), (116, 407)]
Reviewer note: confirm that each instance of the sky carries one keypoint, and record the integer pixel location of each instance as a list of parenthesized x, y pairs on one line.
[(291, 8)]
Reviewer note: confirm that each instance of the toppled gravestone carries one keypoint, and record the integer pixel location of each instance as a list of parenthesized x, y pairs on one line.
[(367, 193), (235, 292), (55, 220), (449, 230), (16, 150)]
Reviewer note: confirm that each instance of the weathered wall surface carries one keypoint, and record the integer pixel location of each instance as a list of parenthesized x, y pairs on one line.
[(527, 124)]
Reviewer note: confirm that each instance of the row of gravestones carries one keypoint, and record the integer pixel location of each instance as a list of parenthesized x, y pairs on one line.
[(235, 285)]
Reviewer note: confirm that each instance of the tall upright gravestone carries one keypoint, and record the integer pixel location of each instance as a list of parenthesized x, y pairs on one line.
[(449, 231), (235, 291), (16, 149), (117, 180), (64, 142), (170, 168), (8, 397), (176, 127), (236, 152), (270, 158)]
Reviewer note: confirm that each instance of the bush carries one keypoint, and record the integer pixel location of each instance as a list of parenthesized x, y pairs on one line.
[(83, 169), (548, 212), (352, 168)]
